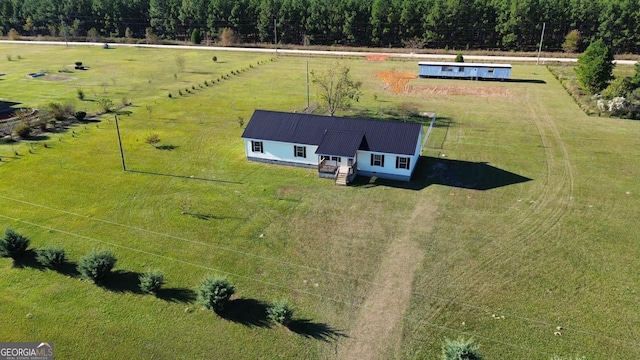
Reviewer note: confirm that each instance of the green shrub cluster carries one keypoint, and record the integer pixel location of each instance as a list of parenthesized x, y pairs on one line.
[(280, 312), (51, 257), (151, 281), (460, 349), (96, 265), (13, 245), (214, 292)]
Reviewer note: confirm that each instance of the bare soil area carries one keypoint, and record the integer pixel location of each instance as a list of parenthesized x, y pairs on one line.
[(378, 327), (484, 91)]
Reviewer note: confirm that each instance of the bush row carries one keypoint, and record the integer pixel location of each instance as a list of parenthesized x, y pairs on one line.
[(214, 292), (208, 83)]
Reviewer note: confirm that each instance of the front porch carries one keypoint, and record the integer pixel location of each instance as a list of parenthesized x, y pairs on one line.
[(341, 174)]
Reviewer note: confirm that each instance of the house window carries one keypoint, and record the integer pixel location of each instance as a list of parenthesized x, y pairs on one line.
[(447, 68), (299, 151), (461, 69), (325, 157), (402, 162), (490, 71), (377, 160), (256, 146), (336, 158)]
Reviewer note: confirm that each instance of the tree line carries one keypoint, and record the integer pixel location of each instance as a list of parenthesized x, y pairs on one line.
[(454, 24)]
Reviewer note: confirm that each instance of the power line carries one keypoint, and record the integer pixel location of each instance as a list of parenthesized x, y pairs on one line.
[(268, 283), (305, 267)]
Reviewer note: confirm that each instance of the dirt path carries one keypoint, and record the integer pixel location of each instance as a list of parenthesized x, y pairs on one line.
[(377, 330)]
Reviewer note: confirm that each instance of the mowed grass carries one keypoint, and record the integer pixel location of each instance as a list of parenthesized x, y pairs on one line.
[(557, 250)]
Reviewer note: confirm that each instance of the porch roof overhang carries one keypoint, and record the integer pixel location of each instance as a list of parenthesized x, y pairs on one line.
[(340, 143)]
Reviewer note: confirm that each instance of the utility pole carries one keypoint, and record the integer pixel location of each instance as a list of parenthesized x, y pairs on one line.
[(540, 48), (64, 30), (275, 34), (124, 167), (308, 84)]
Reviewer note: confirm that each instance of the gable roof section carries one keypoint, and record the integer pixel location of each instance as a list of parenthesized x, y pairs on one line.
[(340, 143), (377, 135)]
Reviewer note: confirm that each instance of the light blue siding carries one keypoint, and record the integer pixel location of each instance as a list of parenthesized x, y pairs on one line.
[(464, 70)]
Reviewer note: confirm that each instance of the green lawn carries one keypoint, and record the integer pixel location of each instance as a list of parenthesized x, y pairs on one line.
[(550, 241)]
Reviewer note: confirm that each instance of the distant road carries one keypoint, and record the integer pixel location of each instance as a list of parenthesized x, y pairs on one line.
[(491, 58)]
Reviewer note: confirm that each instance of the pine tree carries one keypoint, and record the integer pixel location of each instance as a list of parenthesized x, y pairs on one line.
[(595, 67)]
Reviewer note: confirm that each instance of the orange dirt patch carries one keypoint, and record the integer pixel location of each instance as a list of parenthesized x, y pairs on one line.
[(377, 57), (395, 80), (482, 91)]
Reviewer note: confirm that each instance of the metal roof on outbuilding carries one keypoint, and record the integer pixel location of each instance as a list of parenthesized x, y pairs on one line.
[(384, 136), (462, 64)]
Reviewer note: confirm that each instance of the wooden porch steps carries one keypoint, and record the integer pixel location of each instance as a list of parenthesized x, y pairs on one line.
[(341, 179)]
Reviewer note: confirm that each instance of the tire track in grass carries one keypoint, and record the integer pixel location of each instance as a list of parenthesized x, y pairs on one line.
[(520, 229), (552, 203), (378, 325)]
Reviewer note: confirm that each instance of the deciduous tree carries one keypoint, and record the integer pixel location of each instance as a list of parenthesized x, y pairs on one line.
[(336, 88)]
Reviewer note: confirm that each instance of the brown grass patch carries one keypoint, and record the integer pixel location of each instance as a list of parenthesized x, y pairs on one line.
[(395, 80), (57, 78), (481, 91)]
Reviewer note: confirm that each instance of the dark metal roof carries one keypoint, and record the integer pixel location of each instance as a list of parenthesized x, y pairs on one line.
[(340, 143), (376, 135)]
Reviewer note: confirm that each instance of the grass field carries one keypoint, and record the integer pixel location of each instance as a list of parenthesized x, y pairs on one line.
[(521, 218)]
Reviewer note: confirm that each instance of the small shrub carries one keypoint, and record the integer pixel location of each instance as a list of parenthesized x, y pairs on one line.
[(170, 96), (80, 115), (196, 37), (461, 349), (80, 94), (240, 121), (459, 58), (50, 257), (152, 139), (23, 130), (214, 292), (105, 104), (180, 92), (151, 281), (280, 312), (215, 59), (60, 111), (14, 34), (9, 57), (13, 245), (78, 64), (96, 265)]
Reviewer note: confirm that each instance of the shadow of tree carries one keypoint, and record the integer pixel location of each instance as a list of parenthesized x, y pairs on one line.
[(122, 281), (318, 331), (39, 137), (183, 295), (27, 260), (68, 268), (167, 147), (248, 312)]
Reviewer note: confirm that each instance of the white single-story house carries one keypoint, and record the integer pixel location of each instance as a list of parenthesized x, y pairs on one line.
[(340, 148), (464, 70)]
